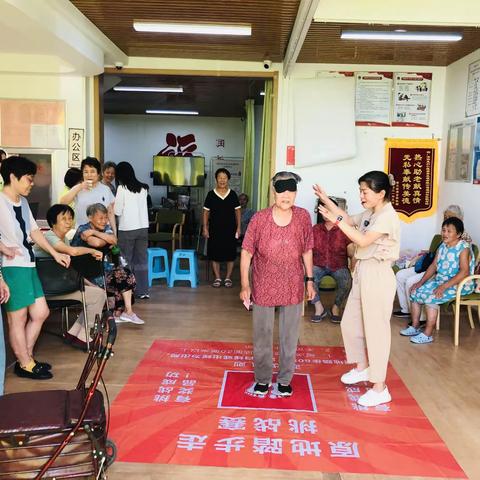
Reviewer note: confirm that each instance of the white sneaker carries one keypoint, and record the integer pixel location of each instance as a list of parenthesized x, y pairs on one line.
[(131, 318), (120, 319), (354, 376), (373, 398)]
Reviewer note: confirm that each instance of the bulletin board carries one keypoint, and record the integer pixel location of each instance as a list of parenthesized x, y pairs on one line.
[(32, 123)]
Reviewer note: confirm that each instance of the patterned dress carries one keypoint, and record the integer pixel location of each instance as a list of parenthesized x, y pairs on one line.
[(448, 265)]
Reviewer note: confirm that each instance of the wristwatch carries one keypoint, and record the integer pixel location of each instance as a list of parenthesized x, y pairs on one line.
[(338, 220), (309, 279)]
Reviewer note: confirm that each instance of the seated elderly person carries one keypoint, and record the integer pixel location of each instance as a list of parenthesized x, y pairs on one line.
[(331, 249), (120, 281), (453, 262), (60, 218), (407, 277), (246, 214)]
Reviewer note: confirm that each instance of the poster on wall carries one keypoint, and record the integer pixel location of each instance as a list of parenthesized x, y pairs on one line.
[(75, 147), (476, 155), (413, 163), (472, 104), (411, 104), (32, 123), (234, 165), (458, 165), (373, 95)]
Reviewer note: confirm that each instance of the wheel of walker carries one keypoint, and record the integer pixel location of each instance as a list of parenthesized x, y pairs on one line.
[(111, 451)]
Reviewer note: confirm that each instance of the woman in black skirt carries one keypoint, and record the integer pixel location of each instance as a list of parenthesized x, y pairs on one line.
[(221, 225)]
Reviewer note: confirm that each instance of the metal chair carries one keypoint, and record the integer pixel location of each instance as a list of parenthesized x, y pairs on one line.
[(168, 227)]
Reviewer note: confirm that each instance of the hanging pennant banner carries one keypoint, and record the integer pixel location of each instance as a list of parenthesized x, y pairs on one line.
[(413, 163)]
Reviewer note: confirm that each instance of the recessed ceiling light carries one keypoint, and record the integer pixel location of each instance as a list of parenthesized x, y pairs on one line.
[(401, 36), (193, 28), (149, 89), (172, 112)]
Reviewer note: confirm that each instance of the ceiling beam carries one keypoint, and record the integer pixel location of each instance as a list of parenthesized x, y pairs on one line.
[(304, 18)]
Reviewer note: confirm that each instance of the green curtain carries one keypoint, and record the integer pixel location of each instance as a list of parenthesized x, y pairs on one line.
[(248, 162), (265, 149)]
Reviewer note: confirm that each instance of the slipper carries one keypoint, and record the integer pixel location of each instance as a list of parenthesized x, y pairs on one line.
[(217, 283), (319, 318), (228, 283), (421, 338), (410, 331)]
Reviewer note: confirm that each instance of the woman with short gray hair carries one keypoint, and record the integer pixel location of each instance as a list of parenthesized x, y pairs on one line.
[(278, 243), (120, 281)]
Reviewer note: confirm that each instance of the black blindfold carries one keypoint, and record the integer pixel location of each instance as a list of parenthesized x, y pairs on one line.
[(283, 185)]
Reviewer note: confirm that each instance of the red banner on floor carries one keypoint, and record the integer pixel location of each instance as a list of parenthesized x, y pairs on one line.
[(191, 403)]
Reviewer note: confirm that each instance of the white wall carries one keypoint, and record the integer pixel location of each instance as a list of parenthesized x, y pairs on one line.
[(50, 87), (137, 138), (340, 178), (467, 195)]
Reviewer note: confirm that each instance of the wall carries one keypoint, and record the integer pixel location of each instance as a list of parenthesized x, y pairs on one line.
[(467, 195), (136, 138), (340, 178), (50, 87)]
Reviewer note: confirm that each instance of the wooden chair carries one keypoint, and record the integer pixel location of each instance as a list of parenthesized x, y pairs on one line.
[(168, 227), (469, 301)]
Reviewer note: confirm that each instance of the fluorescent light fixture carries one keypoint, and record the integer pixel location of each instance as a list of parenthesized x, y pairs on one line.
[(193, 28), (149, 89), (172, 112), (262, 93), (397, 36)]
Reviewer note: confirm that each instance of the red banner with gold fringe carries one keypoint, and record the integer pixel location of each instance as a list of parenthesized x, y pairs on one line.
[(413, 163)]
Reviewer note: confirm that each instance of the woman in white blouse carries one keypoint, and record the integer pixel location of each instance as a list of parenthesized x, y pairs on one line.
[(131, 209)]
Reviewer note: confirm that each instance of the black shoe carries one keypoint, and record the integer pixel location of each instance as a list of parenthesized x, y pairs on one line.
[(37, 373), (400, 314), (44, 365), (421, 324), (284, 390), (335, 318), (261, 388)]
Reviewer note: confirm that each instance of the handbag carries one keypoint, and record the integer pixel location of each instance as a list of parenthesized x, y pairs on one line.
[(424, 262)]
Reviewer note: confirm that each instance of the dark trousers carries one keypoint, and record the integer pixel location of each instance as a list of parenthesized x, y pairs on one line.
[(343, 278)]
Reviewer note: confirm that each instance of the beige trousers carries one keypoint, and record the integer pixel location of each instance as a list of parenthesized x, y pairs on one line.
[(366, 318), (94, 298)]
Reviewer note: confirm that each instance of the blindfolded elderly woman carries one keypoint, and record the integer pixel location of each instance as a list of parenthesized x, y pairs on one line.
[(278, 243)]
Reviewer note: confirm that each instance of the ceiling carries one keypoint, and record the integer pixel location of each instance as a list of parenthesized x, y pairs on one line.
[(272, 22), (210, 96), (324, 45)]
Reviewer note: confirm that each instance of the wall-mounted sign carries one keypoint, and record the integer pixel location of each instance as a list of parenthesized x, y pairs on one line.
[(472, 104), (411, 101), (373, 98), (75, 147)]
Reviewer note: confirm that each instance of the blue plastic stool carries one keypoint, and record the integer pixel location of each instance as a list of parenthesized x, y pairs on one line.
[(155, 269), (178, 273)]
